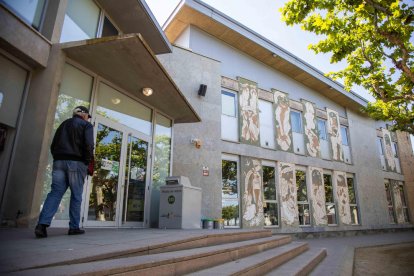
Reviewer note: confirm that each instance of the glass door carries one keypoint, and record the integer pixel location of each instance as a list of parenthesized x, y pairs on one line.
[(117, 191)]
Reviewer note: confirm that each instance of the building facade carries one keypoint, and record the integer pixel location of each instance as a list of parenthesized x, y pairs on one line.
[(271, 142)]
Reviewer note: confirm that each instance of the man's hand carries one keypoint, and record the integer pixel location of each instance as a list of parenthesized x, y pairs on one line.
[(91, 167)]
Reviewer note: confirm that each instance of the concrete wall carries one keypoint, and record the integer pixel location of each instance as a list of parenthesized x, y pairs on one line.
[(188, 71), (236, 63)]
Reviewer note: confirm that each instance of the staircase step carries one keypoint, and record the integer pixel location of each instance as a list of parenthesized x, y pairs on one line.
[(227, 236), (257, 264), (302, 264), (169, 263)]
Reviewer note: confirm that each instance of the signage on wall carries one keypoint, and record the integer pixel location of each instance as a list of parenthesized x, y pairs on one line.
[(206, 171)]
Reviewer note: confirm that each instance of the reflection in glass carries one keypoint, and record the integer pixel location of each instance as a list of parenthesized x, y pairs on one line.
[(29, 10), (108, 29), (103, 197), (120, 108), (75, 89), (228, 104), (296, 121), (81, 21), (162, 154), (331, 213), (135, 180), (270, 214), (304, 214), (354, 215), (329, 199), (229, 192), (344, 135), (301, 186), (269, 185), (322, 129), (351, 190)]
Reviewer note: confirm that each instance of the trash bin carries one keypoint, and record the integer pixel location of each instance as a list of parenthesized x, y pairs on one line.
[(219, 224), (208, 224), (180, 204)]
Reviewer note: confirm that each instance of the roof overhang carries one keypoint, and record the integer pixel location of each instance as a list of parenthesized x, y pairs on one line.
[(219, 25), (128, 62), (134, 16)]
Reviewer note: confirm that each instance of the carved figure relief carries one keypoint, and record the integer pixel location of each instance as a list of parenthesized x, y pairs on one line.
[(249, 112), (389, 155), (288, 202), (253, 193), (282, 120), (311, 131), (318, 196), (342, 195), (396, 193), (335, 135)]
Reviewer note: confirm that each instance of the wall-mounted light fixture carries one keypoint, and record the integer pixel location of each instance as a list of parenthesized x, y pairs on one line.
[(274, 55), (196, 142), (202, 90), (147, 91)]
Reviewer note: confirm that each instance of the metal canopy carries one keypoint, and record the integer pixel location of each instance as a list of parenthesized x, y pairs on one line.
[(128, 62)]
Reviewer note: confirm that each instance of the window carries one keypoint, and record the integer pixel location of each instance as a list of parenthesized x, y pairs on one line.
[(395, 149), (270, 207), (296, 121), (352, 200), (322, 129), (85, 20), (230, 192), (404, 203), (329, 199), (229, 120), (30, 11), (267, 130), (380, 146), (344, 135), (302, 197), (391, 214)]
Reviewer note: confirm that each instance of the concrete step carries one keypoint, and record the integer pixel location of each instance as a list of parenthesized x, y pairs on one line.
[(227, 236), (302, 264), (259, 263), (169, 263)]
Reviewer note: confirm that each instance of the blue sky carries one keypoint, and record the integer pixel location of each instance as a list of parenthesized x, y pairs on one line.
[(263, 17)]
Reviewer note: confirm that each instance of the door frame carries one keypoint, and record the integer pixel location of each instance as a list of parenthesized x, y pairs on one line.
[(118, 222)]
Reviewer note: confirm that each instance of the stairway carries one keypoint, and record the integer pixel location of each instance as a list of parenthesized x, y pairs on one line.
[(221, 253)]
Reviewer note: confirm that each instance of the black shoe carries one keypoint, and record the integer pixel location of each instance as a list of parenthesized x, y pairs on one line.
[(76, 231), (40, 231)]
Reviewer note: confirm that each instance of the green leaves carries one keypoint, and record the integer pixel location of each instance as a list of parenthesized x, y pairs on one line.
[(373, 37)]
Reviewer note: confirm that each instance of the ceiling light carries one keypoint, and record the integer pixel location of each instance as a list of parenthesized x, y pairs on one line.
[(147, 91), (115, 100)]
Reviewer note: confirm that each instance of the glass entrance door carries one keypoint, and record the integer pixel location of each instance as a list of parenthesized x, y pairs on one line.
[(116, 193)]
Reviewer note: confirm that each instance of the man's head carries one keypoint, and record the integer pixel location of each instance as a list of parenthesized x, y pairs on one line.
[(82, 111)]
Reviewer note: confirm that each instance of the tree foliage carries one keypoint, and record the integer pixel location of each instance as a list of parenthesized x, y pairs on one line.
[(373, 36)]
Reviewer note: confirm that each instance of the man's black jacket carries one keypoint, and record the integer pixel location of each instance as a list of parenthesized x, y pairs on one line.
[(73, 141)]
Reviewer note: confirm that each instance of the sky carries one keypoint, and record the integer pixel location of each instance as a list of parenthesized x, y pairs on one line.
[(263, 17)]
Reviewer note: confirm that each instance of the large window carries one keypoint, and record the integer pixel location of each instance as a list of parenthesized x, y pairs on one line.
[(297, 132), (30, 11), (230, 192), (352, 200), (329, 199), (345, 144), (270, 207), (229, 119), (84, 20), (380, 147), (391, 214), (396, 159), (404, 202), (302, 197), (162, 148), (75, 89), (267, 130), (323, 139)]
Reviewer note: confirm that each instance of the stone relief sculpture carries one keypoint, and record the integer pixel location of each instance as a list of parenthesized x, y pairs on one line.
[(342, 195), (389, 155), (396, 194), (288, 197), (334, 131), (311, 131), (253, 192), (282, 120), (249, 112), (318, 197)]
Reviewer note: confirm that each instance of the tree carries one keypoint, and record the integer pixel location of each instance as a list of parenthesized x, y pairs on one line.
[(373, 36)]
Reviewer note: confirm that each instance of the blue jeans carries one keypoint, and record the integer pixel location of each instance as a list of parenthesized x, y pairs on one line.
[(66, 173)]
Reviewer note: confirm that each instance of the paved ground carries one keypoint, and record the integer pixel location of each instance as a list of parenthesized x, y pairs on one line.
[(396, 259), (19, 248)]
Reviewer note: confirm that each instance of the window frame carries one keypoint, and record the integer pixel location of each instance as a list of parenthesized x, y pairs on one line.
[(404, 205), (272, 118), (276, 200), (325, 128), (334, 203), (233, 158), (300, 120), (387, 186), (356, 205), (348, 142), (303, 203), (236, 117)]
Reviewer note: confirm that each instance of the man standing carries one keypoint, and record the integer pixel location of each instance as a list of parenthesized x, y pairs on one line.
[(72, 151)]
